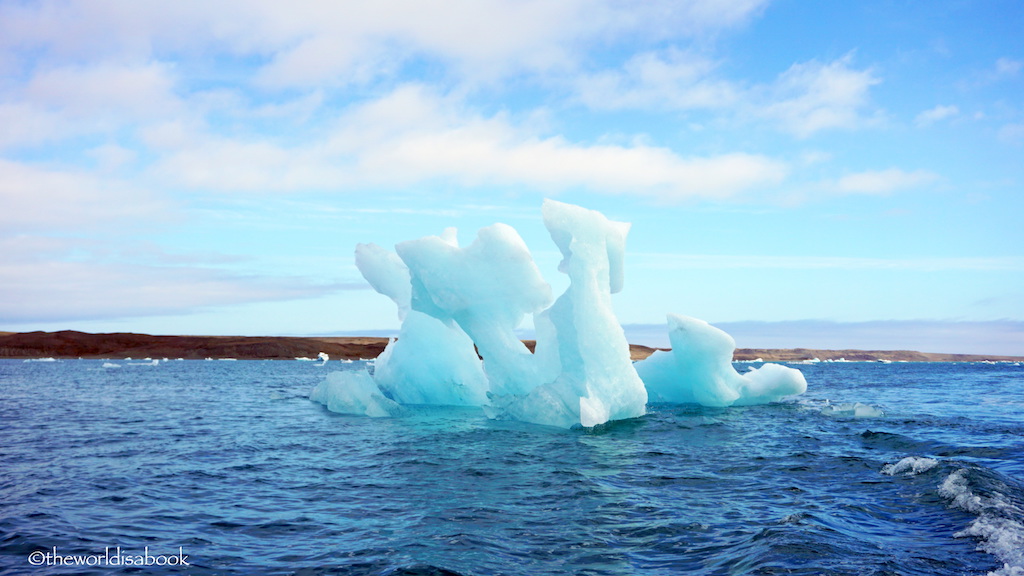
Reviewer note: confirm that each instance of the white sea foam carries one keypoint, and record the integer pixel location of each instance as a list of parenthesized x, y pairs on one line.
[(997, 525), (852, 410), (910, 466)]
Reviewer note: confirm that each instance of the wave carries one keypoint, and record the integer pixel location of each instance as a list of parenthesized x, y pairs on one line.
[(910, 466), (999, 509)]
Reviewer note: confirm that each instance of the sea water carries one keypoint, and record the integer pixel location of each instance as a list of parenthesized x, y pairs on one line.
[(230, 468)]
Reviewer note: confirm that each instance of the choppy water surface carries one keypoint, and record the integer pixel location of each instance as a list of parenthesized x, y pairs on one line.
[(231, 463)]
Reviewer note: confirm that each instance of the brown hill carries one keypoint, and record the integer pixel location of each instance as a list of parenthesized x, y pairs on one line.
[(72, 344)]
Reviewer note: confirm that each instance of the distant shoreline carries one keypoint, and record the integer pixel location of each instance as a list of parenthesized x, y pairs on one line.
[(72, 344)]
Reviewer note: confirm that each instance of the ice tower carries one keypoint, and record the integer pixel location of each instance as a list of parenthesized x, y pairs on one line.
[(582, 352)]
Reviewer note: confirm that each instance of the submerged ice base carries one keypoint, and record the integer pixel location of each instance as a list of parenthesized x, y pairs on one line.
[(456, 303)]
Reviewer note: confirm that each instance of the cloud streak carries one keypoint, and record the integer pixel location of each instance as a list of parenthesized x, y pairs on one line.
[(936, 114), (715, 262), (884, 181), (62, 291), (807, 98), (34, 199), (1000, 337)]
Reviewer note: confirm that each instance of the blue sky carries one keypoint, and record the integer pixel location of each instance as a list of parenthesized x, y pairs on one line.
[(841, 172)]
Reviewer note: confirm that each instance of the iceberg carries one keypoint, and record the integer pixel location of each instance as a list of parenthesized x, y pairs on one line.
[(699, 370), (460, 308)]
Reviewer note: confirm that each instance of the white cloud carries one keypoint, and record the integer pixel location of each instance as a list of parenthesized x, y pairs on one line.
[(311, 42), (71, 101), (933, 115), (33, 198), (811, 96), (1012, 133), (805, 99), (1005, 67), (671, 79), (28, 125), (884, 181), (412, 135), (129, 92), (111, 157)]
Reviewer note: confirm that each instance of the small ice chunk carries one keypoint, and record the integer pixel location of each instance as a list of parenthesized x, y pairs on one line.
[(353, 392), (770, 383)]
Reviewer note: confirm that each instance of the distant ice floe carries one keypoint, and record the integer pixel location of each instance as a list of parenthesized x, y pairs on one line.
[(111, 365), (41, 360)]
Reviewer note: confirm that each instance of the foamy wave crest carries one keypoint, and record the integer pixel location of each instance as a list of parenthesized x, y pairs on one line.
[(1000, 521), (910, 466)]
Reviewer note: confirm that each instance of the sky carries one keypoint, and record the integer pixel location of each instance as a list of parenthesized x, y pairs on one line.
[(848, 174)]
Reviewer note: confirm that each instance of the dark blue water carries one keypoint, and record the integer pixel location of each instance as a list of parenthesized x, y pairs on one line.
[(233, 465)]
